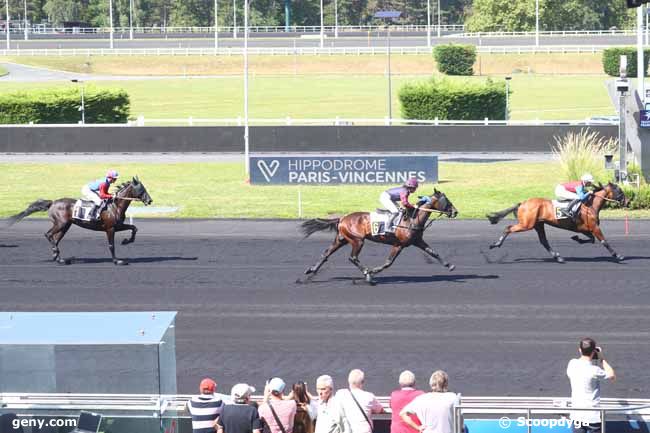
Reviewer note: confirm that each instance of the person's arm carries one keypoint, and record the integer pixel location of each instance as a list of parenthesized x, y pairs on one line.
[(376, 407), (582, 194), (103, 191), (609, 371), (404, 199), (405, 414)]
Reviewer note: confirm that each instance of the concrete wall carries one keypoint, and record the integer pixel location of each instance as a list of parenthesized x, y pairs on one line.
[(416, 138)]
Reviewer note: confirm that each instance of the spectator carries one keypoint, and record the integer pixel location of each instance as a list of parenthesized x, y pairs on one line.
[(306, 409), (277, 412), (205, 407), (328, 417), (435, 409), (240, 416), (399, 399), (356, 405), (585, 380)]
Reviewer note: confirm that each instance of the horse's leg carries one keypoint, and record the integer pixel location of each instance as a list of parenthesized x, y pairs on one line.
[(54, 236), (123, 227), (541, 233), (357, 245), (590, 238), (394, 252), (110, 235), (339, 241), (601, 237), (421, 244), (520, 227)]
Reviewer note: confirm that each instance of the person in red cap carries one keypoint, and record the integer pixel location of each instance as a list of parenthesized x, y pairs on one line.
[(205, 408), (97, 191)]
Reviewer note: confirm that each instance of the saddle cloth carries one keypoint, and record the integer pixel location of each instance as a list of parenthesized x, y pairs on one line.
[(559, 207), (379, 222), (83, 210)]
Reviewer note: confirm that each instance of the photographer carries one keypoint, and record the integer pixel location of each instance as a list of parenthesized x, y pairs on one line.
[(585, 375)]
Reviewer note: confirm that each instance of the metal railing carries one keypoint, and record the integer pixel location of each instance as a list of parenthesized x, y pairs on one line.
[(19, 29), (294, 51), (617, 32)]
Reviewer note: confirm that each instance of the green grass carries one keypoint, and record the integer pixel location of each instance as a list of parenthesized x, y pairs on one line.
[(218, 190), (533, 97)]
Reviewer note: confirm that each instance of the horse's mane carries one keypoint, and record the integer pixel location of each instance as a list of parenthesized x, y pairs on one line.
[(123, 186)]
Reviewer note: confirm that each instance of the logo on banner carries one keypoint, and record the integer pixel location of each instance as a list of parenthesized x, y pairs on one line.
[(268, 170)]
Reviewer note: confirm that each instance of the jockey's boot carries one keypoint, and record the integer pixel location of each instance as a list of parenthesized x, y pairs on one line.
[(573, 209), (392, 222)]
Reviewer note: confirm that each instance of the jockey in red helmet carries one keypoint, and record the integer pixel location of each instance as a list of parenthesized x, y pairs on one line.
[(97, 190), (400, 194)]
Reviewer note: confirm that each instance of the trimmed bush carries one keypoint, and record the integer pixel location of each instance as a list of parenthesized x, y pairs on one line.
[(612, 61), (638, 198), (453, 100), (584, 152), (62, 106), (455, 59)]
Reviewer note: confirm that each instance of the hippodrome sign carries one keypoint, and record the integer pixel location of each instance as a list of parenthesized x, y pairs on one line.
[(331, 170)]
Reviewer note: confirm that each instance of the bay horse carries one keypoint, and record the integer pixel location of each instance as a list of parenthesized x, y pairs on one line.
[(534, 213), (111, 219), (355, 228)]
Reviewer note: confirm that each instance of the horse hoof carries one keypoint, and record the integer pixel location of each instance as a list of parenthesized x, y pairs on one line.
[(309, 270), (63, 261), (493, 246), (451, 267), (559, 259), (369, 279), (120, 262), (126, 241), (620, 258)]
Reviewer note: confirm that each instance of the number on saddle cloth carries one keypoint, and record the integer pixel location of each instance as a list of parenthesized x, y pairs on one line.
[(84, 210)]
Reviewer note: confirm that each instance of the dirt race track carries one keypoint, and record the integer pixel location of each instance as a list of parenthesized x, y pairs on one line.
[(505, 322)]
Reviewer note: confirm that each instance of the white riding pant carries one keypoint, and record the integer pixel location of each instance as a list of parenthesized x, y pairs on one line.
[(389, 204), (90, 195), (564, 194)]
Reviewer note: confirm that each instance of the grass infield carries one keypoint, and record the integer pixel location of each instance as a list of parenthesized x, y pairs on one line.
[(218, 190)]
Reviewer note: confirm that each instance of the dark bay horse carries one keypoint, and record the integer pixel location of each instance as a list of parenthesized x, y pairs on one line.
[(534, 213), (110, 221), (355, 228)]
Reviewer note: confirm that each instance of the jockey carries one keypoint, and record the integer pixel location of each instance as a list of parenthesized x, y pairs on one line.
[(400, 195), (97, 191), (576, 192)]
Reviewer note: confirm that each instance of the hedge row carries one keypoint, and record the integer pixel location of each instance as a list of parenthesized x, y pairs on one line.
[(612, 61), (455, 59), (638, 198), (453, 100), (63, 106)]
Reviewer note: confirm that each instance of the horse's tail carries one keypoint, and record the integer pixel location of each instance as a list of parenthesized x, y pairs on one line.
[(312, 226), (495, 217), (38, 206)]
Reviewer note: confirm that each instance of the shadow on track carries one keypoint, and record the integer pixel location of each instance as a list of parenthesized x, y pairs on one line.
[(8, 246), (577, 260), (89, 261), (447, 278)]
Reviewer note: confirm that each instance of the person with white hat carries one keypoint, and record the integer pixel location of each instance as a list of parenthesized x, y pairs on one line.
[(240, 416)]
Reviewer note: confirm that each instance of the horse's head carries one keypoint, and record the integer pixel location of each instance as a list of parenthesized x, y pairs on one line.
[(615, 192), (136, 189), (439, 201)]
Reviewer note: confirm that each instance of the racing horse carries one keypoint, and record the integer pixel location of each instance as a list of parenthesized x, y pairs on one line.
[(111, 219), (534, 213), (355, 228)]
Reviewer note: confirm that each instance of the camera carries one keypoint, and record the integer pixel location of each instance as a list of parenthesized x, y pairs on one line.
[(597, 353), (622, 85)]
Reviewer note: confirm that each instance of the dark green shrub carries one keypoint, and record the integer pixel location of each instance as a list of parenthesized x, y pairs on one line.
[(62, 106), (638, 198), (455, 59), (453, 100), (612, 60)]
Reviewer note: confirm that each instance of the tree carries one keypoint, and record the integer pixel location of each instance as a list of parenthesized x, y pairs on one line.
[(61, 10)]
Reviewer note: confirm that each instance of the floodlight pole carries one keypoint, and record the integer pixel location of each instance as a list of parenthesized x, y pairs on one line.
[(336, 19), (322, 30), (234, 19), (439, 18), (537, 23), (507, 98), (390, 108), (216, 25), (639, 56), (246, 142), (82, 108)]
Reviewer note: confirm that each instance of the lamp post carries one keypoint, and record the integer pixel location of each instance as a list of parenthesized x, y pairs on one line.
[(322, 31), (216, 25), (7, 23), (82, 108), (508, 78), (439, 18), (537, 23), (388, 16), (336, 19), (131, 19), (25, 20), (234, 19), (110, 19), (429, 23), (246, 143)]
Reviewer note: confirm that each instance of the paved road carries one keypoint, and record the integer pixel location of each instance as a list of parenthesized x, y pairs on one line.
[(374, 39), (504, 323)]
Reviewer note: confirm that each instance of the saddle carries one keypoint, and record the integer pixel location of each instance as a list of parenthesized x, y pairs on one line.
[(85, 210), (561, 209), (380, 222)]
